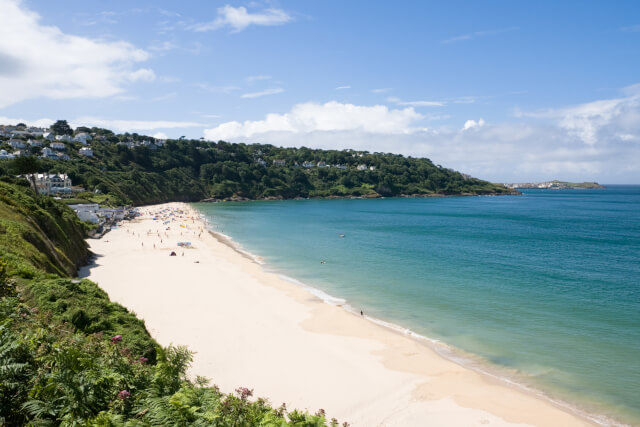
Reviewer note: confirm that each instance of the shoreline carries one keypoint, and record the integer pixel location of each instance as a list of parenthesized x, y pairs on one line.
[(441, 348), (358, 371)]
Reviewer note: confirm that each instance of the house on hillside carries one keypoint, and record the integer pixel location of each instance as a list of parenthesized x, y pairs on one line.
[(338, 166), (5, 155), (86, 151), (57, 146), (279, 162), (362, 167), (48, 153), (322, 164), (48, 184), (261, 162), (64, 138), (34, 143), (82, 137), (308, 165), (16, 143)]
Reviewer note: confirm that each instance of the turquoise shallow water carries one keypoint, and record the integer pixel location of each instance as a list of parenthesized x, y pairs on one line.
[(545, 286)]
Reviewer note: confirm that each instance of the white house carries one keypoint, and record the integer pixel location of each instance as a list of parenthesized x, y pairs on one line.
[(16, 143), (87, 212), (322, 165), (261, 162), (34, 143), (51, 183), (50, 137), (19, 133), (62, 156), (362, 167), (34, 131), (48, 153), (20, 153), (279, 162), (82, 137), (64, 138), (340, 166), (5, 155), (308, 165), (57, 146), (86, 151)]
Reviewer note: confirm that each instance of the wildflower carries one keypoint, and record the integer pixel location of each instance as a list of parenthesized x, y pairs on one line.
[(320, 413), (116, 339), (244, 393), (143, 360), (124, 394)]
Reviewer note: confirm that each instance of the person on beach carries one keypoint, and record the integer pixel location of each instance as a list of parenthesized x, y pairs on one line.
[(361, 313)]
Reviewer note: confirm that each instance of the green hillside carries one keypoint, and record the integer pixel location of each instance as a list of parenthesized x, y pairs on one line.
[(133, 168), (71, 357)]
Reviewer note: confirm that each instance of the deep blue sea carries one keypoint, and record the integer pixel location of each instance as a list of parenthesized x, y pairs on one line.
[(543, 287)]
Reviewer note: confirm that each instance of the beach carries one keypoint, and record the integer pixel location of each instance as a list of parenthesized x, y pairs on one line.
[(251, 328)]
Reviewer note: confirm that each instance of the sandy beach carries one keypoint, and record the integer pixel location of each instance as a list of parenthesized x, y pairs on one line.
[(251, 328)]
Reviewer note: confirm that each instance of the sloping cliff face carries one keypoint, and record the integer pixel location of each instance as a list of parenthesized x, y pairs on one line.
[(39, 233)]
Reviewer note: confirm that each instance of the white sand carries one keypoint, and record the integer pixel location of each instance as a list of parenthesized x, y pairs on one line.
[(252, 329)]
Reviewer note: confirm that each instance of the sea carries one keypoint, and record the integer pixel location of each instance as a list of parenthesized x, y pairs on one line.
[(541, 289)]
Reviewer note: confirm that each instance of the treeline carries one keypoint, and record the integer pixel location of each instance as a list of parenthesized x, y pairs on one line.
[(191, 170), (69, 356)]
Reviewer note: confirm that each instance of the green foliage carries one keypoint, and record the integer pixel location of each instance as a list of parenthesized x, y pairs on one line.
[(61, 127), (54, 376), (191, 170)]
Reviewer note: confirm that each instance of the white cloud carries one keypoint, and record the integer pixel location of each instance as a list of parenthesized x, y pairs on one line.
[(470, 124), (598, 141), (160, 135), (164, 46), (253, 79), (330, 117), (598, 120), (477, 34), (41, 61), (343, 87), (44, 122), (132, 125), (381, 90), (238, 18), (415, 103), (262, 93)]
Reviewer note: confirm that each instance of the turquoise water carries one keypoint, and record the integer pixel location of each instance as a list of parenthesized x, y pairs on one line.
[(545, 286)]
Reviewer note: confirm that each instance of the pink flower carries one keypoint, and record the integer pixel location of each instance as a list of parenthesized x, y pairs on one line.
[(244, 393), (124, 394), (143, 360), (116, 339)]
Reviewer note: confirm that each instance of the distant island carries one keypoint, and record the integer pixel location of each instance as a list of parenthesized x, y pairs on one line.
[(556, 185)]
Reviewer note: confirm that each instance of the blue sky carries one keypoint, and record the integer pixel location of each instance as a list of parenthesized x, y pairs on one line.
[(506, 91)]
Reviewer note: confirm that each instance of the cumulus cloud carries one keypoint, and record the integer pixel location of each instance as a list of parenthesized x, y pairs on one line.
[(470, 124), (330, 117), (343, 87), (160, 135), (238, 19), (599, 140), (37, 60), (262, 93), (596, 121)]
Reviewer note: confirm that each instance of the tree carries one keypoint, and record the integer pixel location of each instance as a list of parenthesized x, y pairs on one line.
[(61, 127), (29, 166)]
